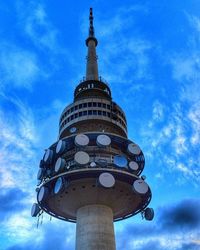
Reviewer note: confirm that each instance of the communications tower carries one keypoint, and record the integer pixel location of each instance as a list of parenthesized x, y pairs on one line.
[(92, 174)]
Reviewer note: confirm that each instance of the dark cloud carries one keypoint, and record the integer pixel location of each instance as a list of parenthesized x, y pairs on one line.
[(11, 200), (180, 218), (184, 215)]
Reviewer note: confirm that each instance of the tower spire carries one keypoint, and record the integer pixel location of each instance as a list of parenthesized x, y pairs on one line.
[(91, 42)]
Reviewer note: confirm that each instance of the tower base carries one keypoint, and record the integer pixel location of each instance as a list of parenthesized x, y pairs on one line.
[(94, 229)]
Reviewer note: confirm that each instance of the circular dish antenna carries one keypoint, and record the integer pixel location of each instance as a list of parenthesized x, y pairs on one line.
[(40, 174), (106, 180), (102, 162), (60, 164), (60, 147), (82, 158), (134, 149), (149, 213), (42, 193), (103, 140), (35, 210), (48, 155), (140, 187), (120, 161), (93, 164), (133, 165), (58, 185), (42, 164), (143, 177), (81, 140), (73, 130)]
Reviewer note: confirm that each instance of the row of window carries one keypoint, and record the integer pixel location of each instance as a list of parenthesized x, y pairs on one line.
[(91, 86), (90, 105), (91, 112)]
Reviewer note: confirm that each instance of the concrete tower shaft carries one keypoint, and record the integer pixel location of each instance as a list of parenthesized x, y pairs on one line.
[(92, 67), (95, 229)]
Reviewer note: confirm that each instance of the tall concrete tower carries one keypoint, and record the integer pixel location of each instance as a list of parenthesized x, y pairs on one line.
[(91, 175)]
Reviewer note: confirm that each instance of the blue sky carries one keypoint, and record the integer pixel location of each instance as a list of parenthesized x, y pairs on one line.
[(149, 52)]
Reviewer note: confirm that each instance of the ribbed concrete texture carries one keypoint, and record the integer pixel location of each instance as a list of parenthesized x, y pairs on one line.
[(95, 229)]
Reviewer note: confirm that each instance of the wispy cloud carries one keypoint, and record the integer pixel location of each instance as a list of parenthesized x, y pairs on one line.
[(18, 141), (19, 68), (172, 134), (35, 23)]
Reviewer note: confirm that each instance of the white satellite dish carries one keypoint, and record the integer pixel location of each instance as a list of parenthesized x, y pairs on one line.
[(73, 130), (42, 165), (35, 210), (60, 147), (42, 193), (140, 187), (40, 173), (60, 164), (106, 180), (149, 213), (143, 177), (120, 160), (102, 162), (133, 165), (58, 185), (103, 140), (134, 149), (82, 158), (93, 164), (81, 140), (48, 155)]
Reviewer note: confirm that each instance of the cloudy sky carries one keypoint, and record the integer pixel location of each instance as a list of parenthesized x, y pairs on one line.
[(149, 52)]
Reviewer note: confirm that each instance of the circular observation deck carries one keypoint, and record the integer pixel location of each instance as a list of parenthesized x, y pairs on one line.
[(93, 114)]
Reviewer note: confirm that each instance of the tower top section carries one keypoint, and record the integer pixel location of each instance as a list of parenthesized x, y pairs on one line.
[(91, 30), (92, 85)]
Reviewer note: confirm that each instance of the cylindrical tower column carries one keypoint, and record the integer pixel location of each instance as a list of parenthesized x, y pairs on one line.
[(95, 229)]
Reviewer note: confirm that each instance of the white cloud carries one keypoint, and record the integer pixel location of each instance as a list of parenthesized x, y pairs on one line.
[(170, 139), (194, 21), (158, 111), (18, 144), (185, 67), (18, 67), (35, 23)]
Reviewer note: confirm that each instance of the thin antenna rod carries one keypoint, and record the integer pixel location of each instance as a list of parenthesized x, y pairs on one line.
[(91, 29), (91, 42)]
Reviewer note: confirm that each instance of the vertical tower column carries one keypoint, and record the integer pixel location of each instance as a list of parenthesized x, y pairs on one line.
[(95, 229), (92, 67)]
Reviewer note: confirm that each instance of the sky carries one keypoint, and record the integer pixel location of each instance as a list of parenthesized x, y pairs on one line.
[(149, 52)]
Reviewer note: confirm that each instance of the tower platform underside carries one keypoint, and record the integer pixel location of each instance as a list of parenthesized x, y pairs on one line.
[(82, 189)]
